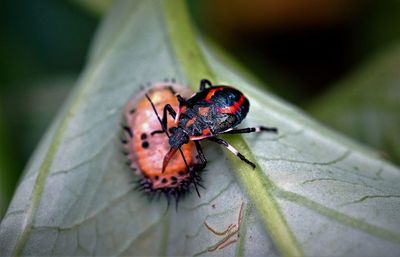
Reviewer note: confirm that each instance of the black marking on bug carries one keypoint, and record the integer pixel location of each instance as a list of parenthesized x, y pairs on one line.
[(143, 136)]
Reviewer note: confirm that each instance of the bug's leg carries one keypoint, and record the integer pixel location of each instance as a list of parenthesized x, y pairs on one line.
[(232, 149), (203, 161), (188, 170), (157, 132), (167, 109), (202, 157), (181, 100), (204, 83), (250, 130)]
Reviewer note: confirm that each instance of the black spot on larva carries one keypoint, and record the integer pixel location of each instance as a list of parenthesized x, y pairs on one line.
[(174, 182), (156, 177), (132, 111), (143, 136), (164, 180), (173, 178), (181, 173), (145, 144), (170, 130)]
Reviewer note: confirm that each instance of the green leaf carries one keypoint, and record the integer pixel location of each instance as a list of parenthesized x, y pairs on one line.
[(366, 104), (313, 192)]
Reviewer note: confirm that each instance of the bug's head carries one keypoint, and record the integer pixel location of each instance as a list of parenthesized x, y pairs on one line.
[(178, 137)]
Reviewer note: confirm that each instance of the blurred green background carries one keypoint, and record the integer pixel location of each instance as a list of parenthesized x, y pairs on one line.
[(337, 59)]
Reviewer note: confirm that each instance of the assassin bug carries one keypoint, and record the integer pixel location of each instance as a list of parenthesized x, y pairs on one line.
[(212, 111), (145, 152)]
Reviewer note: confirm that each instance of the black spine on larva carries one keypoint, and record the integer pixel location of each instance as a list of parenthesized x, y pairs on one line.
[(177, 193)]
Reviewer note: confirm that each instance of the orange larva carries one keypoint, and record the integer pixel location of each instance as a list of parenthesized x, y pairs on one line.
[(146, 152)]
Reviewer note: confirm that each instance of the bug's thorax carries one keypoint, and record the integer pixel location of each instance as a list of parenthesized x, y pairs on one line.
[(178, 137), (212, 111)]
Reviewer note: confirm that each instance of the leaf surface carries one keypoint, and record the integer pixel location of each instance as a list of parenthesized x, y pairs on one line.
[(366, 104), (313, 193)]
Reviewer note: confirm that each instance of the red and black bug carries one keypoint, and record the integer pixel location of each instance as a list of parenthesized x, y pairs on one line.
[(212, 111), (145, 152)]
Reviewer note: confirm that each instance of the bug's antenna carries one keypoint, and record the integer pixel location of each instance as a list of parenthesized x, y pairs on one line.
[(158, 117), (188, 170)]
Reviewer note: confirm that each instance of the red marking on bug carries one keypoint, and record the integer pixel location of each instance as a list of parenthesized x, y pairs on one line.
[(203, 111), (206, 132), (190, 122), (211, 93)]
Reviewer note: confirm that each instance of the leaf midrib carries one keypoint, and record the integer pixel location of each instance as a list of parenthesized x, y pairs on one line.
[(195, 67)]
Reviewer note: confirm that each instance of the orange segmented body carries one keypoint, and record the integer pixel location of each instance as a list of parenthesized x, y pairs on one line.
[(146, 151)]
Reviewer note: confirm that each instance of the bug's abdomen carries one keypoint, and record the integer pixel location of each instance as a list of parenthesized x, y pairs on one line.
[(226, 103), (232, 101)]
